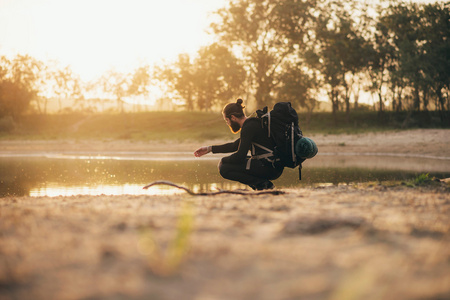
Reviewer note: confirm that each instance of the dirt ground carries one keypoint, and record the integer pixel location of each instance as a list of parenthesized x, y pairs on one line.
[(341, 242), (428, 142), (361, 241)]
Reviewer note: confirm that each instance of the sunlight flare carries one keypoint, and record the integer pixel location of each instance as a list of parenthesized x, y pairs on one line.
[(93, 36)]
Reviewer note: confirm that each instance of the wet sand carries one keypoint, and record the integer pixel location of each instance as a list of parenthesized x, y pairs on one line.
[(418, 142), (366, 241), (341, 242)]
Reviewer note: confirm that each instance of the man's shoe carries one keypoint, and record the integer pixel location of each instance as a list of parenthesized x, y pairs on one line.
[(265, 185)]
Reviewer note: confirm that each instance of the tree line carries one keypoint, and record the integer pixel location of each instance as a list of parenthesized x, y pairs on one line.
[(274, 50), (26, 83)]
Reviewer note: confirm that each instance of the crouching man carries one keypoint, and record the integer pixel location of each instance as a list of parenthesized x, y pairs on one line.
[(259, 169)]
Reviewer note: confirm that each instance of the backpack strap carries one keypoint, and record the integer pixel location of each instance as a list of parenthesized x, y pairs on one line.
[(268, 156), (294, 158), (262, 147), (300, 168), (268, 119)]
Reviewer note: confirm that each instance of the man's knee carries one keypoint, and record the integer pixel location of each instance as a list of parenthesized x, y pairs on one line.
[(223, 169)]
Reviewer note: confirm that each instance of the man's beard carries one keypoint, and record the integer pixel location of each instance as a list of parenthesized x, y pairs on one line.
[(234, 126)]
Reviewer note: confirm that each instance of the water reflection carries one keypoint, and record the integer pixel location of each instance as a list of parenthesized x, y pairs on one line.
[(75, 174), (50, 176), (125, 189)]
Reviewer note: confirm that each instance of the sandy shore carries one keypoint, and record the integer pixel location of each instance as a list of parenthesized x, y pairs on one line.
[(432, 142), (366, 241), (342, 242)]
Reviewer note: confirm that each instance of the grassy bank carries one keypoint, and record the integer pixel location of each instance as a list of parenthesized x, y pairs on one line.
[(129, 126), (198, 125), (367, 121)]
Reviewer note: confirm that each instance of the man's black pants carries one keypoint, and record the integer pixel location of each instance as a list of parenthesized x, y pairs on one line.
[(259, 172)]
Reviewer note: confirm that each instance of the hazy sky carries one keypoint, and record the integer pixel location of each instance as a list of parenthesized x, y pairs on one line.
[(95, 35)]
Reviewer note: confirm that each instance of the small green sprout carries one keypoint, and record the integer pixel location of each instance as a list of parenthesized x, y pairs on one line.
[(166, 263), (422, 179)]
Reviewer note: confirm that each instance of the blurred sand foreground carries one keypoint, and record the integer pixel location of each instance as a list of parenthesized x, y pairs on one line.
[(364, 241)]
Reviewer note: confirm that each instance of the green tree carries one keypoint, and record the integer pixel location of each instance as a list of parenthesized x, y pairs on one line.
[(14, 98), (115, 84), (218, 77), (19, 83), (140, 81), (436, 32), (403, 25), (381, 60), (179, 78), (297, 85), (67, 86), (265, 33), (96, 95), (339, 50), (211, 79)]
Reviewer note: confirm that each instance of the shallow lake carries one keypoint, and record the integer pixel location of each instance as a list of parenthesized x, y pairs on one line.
[(53, 174)]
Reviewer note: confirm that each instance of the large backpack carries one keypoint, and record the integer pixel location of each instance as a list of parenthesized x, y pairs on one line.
[(282, 126)]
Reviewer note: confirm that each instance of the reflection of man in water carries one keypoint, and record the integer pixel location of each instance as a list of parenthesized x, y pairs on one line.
[(255, 171)]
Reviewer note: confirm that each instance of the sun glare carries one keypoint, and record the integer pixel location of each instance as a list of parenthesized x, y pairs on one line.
[(96, 35), (125, 189), (93, 36)]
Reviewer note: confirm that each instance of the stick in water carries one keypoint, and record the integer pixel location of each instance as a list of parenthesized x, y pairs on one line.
[(162, 182)]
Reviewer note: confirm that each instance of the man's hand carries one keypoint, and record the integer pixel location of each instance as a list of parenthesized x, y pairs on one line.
[(202, 151)]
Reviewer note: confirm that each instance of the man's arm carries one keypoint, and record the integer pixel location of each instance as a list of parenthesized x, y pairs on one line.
[(225, 148), (247, 134)]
